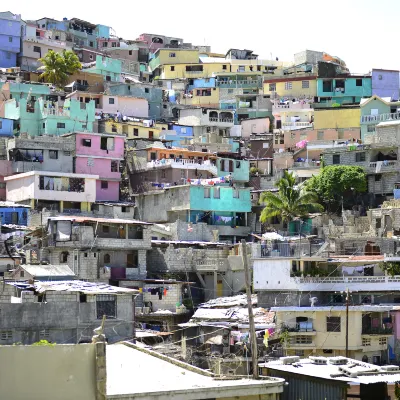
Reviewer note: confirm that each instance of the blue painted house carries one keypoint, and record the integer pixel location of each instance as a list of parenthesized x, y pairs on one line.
[(10, 39), (13, 213), (201, 83), (347, 89)]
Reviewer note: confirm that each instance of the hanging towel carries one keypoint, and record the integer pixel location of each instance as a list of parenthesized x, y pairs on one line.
[(165, 292), (378, 167)]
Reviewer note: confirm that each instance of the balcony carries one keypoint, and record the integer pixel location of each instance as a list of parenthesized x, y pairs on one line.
[(290, 126), (193, 72), (371, 119), (183, 163), (288, 250), (381, 330), (384, 166), (56, 112), (223, 120), (239, 84), (306, 164)]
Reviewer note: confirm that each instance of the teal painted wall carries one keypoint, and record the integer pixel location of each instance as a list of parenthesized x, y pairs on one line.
[(351, 90), (241, 169), (225, 203), (107, 67)]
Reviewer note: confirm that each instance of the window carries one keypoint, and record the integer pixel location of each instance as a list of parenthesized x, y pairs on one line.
[(85, 255), (10, 39), (288, 85), (130, 52), (336, 159), (90, 43), (327, 86), (224, 67), (272, 87), (378, 223), (216, 193), (370, 128), (113, 44), (82, 298), (125, 209), (207, 193), (360, 157), (163, 173), (303, 339), (378, 177), (320, 135), (22, 274), (105, 228), (327, 351), (106, 304), (358, 82), (87, 142), (114, 166), (382, 341), (146, 90), (172, 68), (104, 185), (108, 78), (333, 324), (366, 341), (111, 100), (105, 44), (135, 132), (6, 335), (53, 154), (107, 143), (91, 56), (60, 124), (44, 333), (63, 257), (235, 193), (107, 259), (305, 84), (172, 55), (36, 49)]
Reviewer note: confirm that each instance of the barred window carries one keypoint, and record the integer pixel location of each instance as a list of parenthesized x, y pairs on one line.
[(333, 324), (106, 304), (305, 84)]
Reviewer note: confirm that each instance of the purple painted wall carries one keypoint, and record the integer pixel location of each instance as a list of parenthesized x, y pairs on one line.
[(10, 29), (385, 83), (109, 194)]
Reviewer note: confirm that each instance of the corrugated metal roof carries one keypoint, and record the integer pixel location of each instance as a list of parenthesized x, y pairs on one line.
[(73, 286), (361, 372), (47, 270), (101, 220)]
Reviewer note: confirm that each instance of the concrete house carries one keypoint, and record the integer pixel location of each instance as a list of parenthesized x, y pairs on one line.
[(321, 331)]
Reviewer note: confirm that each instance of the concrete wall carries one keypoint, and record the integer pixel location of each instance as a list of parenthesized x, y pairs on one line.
[(257, 125), (65, 371)]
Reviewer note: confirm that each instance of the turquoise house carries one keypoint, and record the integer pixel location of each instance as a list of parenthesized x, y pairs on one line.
[(240, 169), (23, 90), (108, 67), (40, 117), (375, 110), (219, 205), (344, 90)]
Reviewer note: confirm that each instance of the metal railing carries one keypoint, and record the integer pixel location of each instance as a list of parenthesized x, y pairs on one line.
[(183, 163), (287, 126), (288, 249)]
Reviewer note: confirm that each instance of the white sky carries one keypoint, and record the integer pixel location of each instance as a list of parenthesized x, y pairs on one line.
[(363, 33)]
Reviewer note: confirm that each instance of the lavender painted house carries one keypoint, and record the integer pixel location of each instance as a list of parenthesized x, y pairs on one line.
[(386, 83), (10, 39), (100, 154)]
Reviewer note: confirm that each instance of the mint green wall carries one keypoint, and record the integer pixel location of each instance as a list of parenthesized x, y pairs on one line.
[(225, 203), (107, 67), (376, 103), (39, 123), (240, 173)]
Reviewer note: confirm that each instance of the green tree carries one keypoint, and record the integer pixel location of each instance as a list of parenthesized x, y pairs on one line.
[(58, 66), (337, 183), (290, 202)]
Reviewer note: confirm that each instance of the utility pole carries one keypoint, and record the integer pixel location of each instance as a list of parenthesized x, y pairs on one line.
[(252, 335), (347, 322)]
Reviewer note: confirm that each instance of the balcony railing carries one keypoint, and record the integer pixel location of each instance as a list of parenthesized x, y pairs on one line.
[(288, 126), (377, 331), (183, 163), (366, 119), (288, 250), (223, 120), (193, 72), (309, 164), (57, 112), (239, 84), (385, 166)]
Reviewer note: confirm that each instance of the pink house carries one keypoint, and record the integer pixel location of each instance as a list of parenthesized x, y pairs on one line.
[(100, 154)]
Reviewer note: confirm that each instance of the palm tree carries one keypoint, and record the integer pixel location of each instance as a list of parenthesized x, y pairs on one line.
[(290, 202), (57, 67)]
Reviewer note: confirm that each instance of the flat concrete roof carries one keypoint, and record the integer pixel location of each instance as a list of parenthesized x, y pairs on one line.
[(143, 374)]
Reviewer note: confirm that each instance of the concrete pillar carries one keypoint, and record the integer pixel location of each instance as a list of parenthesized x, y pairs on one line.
[(126, 231), (215, 284), (101, 370), (61, 206)]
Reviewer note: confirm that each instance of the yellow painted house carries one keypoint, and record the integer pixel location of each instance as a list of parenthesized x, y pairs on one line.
[(320, 331), (174, 56), (337, 117), (295, 87), (203, 97), (136, 130)]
